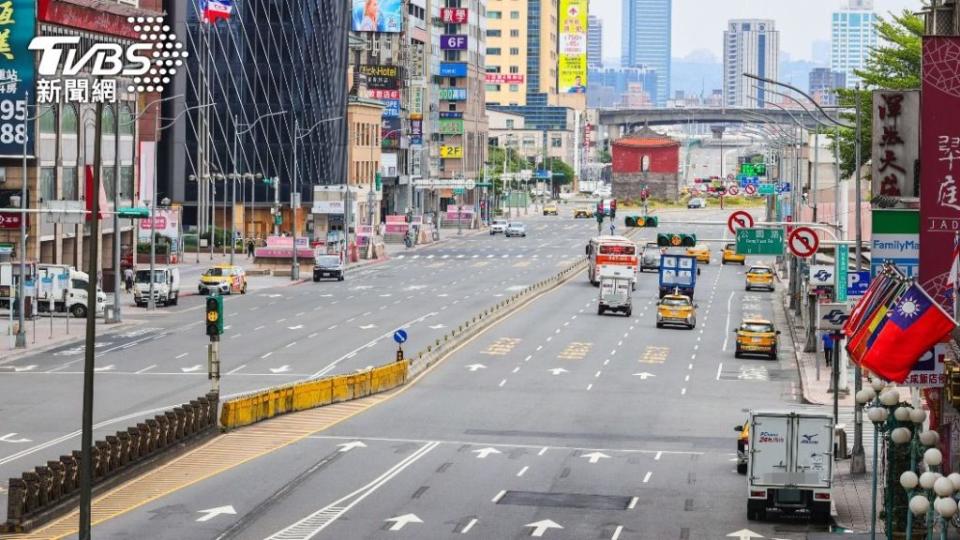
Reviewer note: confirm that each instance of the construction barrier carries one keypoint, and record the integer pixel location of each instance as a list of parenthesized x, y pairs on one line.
[(254, 407), (41, 494)]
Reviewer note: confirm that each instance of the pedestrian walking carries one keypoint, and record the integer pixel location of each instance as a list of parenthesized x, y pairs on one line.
[(827, 347), (250, 248), (128, 279)]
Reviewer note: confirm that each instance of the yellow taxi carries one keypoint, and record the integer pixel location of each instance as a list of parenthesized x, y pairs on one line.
[(676, 309), (730, 255), (701, 252), (759, 277), (223, 279), (583, 212), (757, 336), (551, 209), (743, 442)]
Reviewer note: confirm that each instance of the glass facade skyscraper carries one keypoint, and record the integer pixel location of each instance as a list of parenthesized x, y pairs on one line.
[(646, 40), (853, 34)]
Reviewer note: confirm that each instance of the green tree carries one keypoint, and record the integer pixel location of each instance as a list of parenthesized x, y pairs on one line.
[(605, 156), (893, 65), (562, 173), (495, 163)]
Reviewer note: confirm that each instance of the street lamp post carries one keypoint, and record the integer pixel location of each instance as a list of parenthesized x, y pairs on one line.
[(299, 134)]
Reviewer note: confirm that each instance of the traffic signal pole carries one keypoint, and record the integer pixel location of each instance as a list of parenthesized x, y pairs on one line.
[(213, 363)]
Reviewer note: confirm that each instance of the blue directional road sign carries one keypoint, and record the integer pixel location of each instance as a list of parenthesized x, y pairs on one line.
[(784, 187), (400, 336)]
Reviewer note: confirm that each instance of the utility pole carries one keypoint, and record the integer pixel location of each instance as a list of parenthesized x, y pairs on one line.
[(21, 342), (858, 458), (116, 219), (295, 201)]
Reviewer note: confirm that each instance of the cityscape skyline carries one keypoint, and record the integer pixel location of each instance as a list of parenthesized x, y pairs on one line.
[(799, 30)]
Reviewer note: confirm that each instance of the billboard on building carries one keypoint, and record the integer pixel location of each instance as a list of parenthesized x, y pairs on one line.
[(940, 155), (453, 69), (17, 77), (378, 16), (895, 238), (573, 46), (453, 94), (451, 152), (453, 15), (381, 77), (504, 78), (453, 42), (450, 127), (896, 142)]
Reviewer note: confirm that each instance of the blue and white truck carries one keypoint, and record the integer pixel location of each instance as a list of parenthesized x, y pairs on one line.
[(678, 273)]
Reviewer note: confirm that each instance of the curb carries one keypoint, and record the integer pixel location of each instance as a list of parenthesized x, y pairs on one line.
[(797, 353), (17, 355)]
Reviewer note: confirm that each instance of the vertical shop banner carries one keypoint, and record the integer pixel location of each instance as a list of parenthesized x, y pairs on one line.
[(896, 142), (940, 155), (573, 46), (895, 238), (384, 16), (17, 77)]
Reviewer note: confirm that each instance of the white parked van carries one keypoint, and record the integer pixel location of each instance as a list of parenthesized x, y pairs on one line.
[(166, 286), (790, 464), (66, 287)]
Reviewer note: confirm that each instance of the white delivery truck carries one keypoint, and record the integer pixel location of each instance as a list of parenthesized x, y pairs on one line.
[(166, 286), (66, 287), (790, 463)]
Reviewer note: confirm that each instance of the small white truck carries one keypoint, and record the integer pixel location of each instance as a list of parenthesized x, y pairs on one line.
[(790, 464), (66, 287), (166, 286)]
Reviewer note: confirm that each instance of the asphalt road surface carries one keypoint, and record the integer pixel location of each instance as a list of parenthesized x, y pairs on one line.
[(554, 423)]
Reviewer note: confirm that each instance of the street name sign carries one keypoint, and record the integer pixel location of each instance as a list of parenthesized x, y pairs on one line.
[(759, 241), (768, 189), (841, 264)]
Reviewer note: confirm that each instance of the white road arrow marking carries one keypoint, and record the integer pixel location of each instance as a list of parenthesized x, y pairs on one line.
[(282, 369), (105, 368), (484, 452), (438, 326), (594, 457), (558, 371), (346, 447), (9, 437), (211, 513), (644, 375), (400, 521), (474, 367), (540, 527), (31, 367), (191, 369), (297, 327), (744, 534)]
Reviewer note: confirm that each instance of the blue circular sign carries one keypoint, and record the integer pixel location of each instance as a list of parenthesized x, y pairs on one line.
[(400, 336)]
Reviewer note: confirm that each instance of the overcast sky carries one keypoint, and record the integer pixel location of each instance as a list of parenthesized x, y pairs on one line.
[(699, 24)]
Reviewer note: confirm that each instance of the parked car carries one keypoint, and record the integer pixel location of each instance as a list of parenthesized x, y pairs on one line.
[(498, 226), (697, 202), (515, 228)]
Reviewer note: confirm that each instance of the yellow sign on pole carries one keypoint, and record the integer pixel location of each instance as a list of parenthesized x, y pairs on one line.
[(573, 46), (451, 152)]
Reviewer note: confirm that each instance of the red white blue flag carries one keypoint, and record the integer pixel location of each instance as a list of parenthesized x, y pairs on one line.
[(214, 10)]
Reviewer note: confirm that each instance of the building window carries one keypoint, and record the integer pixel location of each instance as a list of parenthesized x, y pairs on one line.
[(514, 14), (514, 33), (514, 69), (126, 120), (107, 121), (514, 51), (494, 15), (510, 124), (69, 183), (48, 119), (494, 33), (108, 183), (493, 51), (514, 88), (126, 184), (48, 183), (556, 142)]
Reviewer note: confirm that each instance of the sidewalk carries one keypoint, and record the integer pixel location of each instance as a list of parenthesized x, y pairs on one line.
[(40, 338), (851, 493)]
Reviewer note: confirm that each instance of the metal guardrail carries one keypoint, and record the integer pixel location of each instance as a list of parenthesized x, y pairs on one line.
[(51, 489)]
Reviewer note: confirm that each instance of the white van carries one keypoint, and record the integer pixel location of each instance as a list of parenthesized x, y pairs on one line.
[(166, 286), (66, 287), (790, 464)]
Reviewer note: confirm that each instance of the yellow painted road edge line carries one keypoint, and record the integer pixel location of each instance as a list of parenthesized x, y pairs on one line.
[(375, 400)]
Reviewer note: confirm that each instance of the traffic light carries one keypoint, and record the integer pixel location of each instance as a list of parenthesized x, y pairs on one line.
[(633, 221), (214, 315), (676, 240), (613, 209), (651, 222)]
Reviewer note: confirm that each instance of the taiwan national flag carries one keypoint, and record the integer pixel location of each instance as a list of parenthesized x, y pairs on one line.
[(214, 10), (913, 325)]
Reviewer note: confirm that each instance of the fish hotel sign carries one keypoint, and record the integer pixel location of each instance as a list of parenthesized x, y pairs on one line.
[(940, 155), (17, 26)]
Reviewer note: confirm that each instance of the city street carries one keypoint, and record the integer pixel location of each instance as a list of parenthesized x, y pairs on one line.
[(555, 422)]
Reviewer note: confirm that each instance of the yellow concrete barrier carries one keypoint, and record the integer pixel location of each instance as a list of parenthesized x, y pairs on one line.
[(303, 395)]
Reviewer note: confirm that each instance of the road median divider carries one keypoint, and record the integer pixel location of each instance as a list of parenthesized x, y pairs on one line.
[(53, 489)]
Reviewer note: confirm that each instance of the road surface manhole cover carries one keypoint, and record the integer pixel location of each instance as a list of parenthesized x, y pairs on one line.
[(565, 500)]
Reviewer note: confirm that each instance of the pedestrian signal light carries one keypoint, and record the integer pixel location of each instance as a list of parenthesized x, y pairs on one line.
[(214, 315)]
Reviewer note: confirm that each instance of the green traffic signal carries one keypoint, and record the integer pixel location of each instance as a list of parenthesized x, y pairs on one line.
[(676, 240), (214, 315)]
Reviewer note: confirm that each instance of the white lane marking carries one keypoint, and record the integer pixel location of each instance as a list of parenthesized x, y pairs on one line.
[(331, 327), (686, 378), (613, 352), (503, 382), (607, 361), (259, 328), (499, 496), (473, 521), (353, 353), (516, 369), (726, 326), (236, 369), (527, 359), (311, 525), (719, 368), (266, 355), (683, 391), (522, 471), (597, 375), (543, 451), (646, 477), (313, 335), (633, 502), (689, 366), (616, 533), (589, 386), (657, 457), (146, 369), (539, 347), (179, 356), (290, 345)]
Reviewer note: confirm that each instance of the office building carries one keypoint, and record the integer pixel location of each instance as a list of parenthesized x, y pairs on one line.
[(595, 42), (824, 83), (645, 40), (522, 51), (749, 46), (853, 34)]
